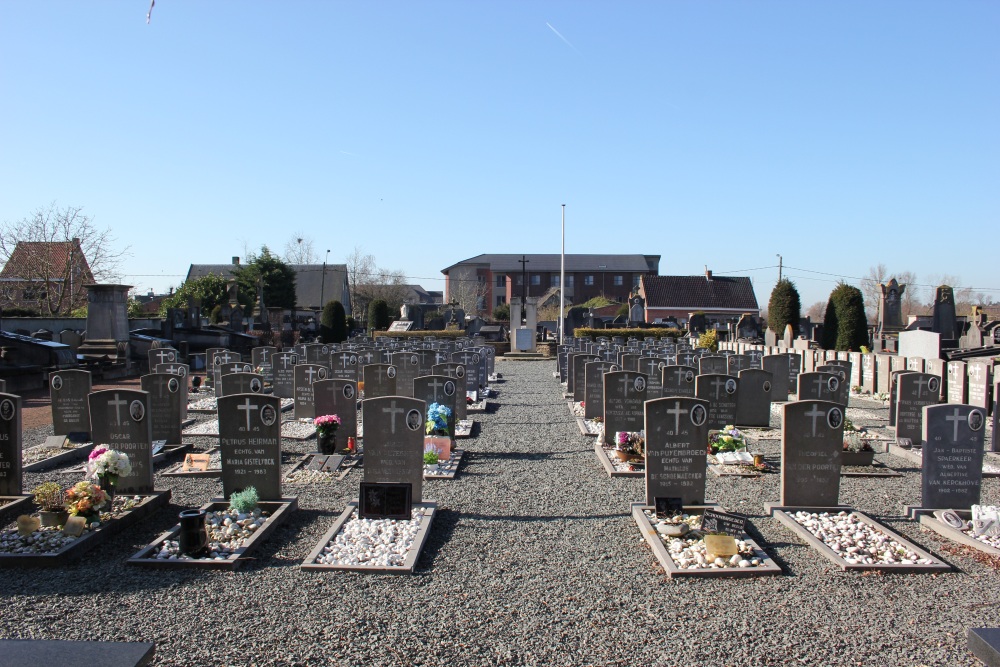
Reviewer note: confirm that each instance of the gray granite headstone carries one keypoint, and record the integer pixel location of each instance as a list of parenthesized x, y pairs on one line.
[(624, 394), (284, 374), (580, 362), (952, 472), (338, 397), (345, 365), (893, 389), (722, 394), (958, 382), (407, 369), (868, 370), (183, 370), (471, 360), (777, 366), (394, 441), (843, 373), (263, 358), (120, 421), (250, 442), (812, 439), (737, 363), (676, 436), (914, 391), (794, 368), (882, 373), (820, 386), (753, 405), (653, 367), (980, 374), (442, 390), (166, 400), (457, 371), (10, 445), (162, 355), (594, 387), (68, 391), (317, 353), (241, 383), (677, 380), (713, 365), (629, 361), (305, 375), (380, 380), (937, 367)]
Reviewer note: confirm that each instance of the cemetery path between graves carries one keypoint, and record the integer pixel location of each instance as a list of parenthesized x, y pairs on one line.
[(533, 559)]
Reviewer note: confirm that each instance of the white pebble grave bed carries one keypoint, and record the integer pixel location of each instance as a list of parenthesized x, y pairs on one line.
[(381, 543), (858, 542)]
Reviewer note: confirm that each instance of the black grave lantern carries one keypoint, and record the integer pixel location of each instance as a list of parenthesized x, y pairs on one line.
[(193, 538)]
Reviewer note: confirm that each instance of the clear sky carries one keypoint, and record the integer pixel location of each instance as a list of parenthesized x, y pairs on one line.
[(838, 134)]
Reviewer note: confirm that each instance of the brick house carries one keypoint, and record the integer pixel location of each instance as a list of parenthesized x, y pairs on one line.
[(46, 276), (721, 298)]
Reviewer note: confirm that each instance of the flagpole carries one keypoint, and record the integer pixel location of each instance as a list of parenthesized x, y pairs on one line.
[(562, 278)]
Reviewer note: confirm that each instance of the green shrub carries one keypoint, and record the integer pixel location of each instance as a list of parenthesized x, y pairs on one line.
[(378, 315), (846, 325), (709, 340), (244, 501), (333, 323), (784, 308), (640, 332)]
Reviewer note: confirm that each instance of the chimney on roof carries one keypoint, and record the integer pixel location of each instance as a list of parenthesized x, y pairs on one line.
[(76, 240), (236, 260), (708, 274), (150, 293)]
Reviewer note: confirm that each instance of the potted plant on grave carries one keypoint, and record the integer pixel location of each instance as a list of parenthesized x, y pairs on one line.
[(857, 450), (630, 446), (436, 434), (245, 501), (326, 433), (729, 439), (431, 457), (86, 500), (51, 501), (105, 466)]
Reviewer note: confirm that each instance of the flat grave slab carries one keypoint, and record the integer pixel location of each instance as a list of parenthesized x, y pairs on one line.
[(876, 469), (477, 408), (278, 514), (47, 652), (932, 522), (314, 468), (425, 512), (924, 561), (463, 428), (182, 469), (614, 467), (445, 470), (57, 455), (985, 645), (148, 504), (641, 514)]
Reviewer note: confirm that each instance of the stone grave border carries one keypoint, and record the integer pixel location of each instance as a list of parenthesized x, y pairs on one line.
[(69, 456), (342, 470), (477, 408), (609, 467), (463, 429), (175, 470), (450, 469), (784, 515), (725, 470), (14, 504), (660, 550), (409, 563), (279, 514), (58, 651), (168, 451), (878, 469), (931, 522), (150, 503), (983, 643)]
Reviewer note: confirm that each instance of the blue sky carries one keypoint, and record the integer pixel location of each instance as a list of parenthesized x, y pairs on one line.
[(838, 134)]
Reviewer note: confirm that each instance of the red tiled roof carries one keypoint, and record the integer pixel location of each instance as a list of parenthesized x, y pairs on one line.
[(700, 293), (30, 258)]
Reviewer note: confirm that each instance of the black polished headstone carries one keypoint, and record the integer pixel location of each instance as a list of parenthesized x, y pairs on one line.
[(753, 405), (338, 397), (676, 436), (812, 442), (440, 389), (593, 398), (624, 394), (722, 393), (11, 477), (394, 441), (913, 392), (677, 381), (305, 375), (120, 421), (250, 443), (380, 380), (167, 397), (284, 374), (952, 471), (68, 391)]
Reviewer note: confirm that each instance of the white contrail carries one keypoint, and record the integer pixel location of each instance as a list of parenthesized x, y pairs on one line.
[(559, 35)]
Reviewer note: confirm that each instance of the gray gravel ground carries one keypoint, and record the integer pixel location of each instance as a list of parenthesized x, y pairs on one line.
[(534, 559)]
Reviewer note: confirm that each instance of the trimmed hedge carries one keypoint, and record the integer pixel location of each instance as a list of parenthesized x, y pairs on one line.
[(657, 332)]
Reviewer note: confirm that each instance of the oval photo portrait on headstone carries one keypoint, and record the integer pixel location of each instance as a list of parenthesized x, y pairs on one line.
[(449, 388), (698, 415), (173, 385), (137, 410), (391, 372), (56, 382), (640, 384), (460, 372), (767, 386), (932, 385), (268, 415), (833, 383), (348, 391), (414, 420), (322, 373), (7, 409), (255, 386), (689, 376), (834, 418), (730, 386), (976, 420)]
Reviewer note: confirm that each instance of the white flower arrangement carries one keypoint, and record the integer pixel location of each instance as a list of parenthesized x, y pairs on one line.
[(104, 461)]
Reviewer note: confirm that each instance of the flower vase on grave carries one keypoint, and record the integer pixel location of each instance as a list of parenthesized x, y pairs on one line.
[(327, 442), (441, 444), (193, 537), (107, 484)]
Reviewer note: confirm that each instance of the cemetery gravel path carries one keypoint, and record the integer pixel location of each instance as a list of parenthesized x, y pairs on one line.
[(533, 560)]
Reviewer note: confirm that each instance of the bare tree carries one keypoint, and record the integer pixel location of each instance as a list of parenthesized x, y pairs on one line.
[(55, 277), (470, 293), (817, 311), (368, 282), (300, 249), (877, 275)]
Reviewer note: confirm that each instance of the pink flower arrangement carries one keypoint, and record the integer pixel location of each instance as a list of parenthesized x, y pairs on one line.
[(326, 424)]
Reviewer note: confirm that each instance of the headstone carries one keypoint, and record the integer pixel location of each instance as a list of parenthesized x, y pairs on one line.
[(241, 383), (394, 441), (914, 391), (713, 365), (68, 391), (893, 389), (593, 397), (868, 378), (890, 314), (305, 375), (882, 373), (676, 436), (120, 420), (407, 369), (843, 392), (944, 313), (952, 472), (380, 380), (917, 343), (167, 396), (284, 374), (677, 380), (442, 390), (344, 365), (722, 394), (652, 367), (263, 359), (455, 371), (250, 443), (624, 394), (812, 439), (10, 445), (980, 375), (777, 365), (338, 397), (958, 382), (794, 368), (580, 362), (737, 363), (470, 361), (753, 407), (162, 355)]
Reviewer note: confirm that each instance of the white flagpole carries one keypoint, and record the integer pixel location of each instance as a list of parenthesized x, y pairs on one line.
[(562, 278)]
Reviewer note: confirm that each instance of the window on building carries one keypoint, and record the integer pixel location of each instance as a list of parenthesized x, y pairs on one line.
[(619, 281), (536, 279), (588, 280), (501, 281), (635, 280), (481, 303), (35, 294), (520, 279), (555, 280), (501, 300), (569, 280)]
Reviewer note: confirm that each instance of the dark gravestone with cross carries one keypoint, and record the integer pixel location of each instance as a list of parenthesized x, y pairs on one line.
[(380, 380), (676, 433), (593, 394), (652, 367), (10, 445), (345, 365), (913, 392), (580, 362), (820, 386), (677, 380), (394, 442), (305, 375), (456, 371), (241, 383), (753, 406), (812, 439), (68, 391), (250, 443), (407, 369), (166, 400), (843, 393), (229, 368), (263, 359), (624, 394), (713, 365), (893, 389), (163, 355), (777, 366), (952, 472), (120, 421), (338, 397), (469, 361), (284, 374), (722, 393), (442, 390)]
